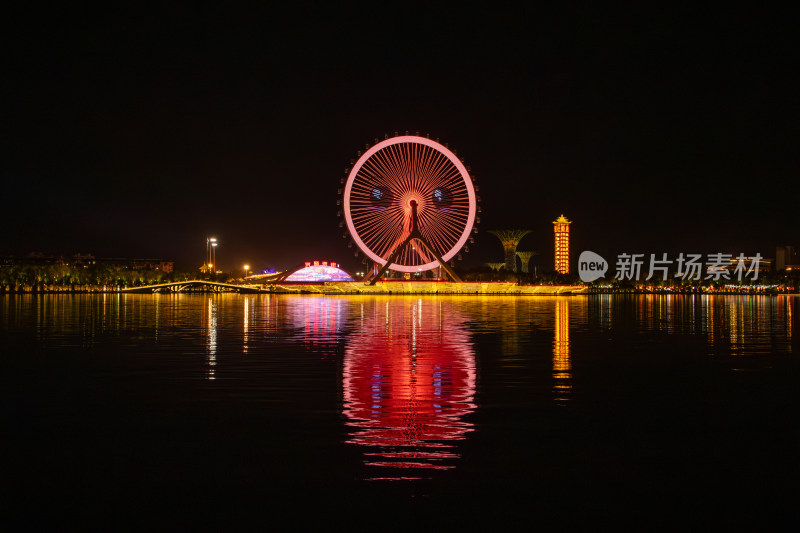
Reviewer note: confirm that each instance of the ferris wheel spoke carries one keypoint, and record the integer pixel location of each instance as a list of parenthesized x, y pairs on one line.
[(438, 164), (375, 225), (391, 244), (375, 175), (432, 176), (367, 182), (438, 215), (381, 243), (450, 223), (394, 162), (439, 167), (436, 243), (386, 168), (420, 157), (450, 178), (385, 247), (407, 179), (443, 241), (421, 252), (454, 222)]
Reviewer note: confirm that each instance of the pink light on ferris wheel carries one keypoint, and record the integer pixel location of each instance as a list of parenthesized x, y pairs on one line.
[(378, 195)]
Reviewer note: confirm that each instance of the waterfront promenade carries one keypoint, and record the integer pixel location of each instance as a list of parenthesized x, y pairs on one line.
[(358, 287)]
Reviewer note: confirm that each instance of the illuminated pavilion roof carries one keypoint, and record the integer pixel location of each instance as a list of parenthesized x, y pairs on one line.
[(315, 273), (562, 220)]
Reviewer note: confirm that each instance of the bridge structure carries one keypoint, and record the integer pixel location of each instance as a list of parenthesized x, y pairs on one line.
[(195, 284)]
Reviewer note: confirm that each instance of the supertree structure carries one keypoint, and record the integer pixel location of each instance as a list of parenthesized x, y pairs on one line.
[(495, 266), (510, 239), (525, 257)]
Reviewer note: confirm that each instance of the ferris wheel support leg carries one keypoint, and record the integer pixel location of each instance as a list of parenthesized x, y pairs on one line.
[(444, 265), (418, 236), (391, 259), (370, 274)]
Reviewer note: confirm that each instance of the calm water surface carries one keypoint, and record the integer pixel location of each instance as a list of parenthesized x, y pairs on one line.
[(173, 411)]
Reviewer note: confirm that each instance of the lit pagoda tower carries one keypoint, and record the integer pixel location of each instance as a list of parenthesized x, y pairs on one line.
[(561, 229), (510, 239)]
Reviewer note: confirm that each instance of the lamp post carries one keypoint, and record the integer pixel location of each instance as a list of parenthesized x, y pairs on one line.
[(211, 242), (246, 268), (214, 256)]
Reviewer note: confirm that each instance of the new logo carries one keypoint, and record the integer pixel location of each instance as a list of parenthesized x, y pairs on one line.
[(591, 266)]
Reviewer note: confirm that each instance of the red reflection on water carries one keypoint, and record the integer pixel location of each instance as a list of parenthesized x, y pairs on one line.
[(321, 321), (409, 381)]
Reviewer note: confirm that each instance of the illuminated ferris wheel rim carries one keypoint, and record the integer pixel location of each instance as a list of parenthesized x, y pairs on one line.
[(411, 139)]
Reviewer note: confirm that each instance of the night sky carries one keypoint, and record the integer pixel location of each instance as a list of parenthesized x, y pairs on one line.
[(140, 132)]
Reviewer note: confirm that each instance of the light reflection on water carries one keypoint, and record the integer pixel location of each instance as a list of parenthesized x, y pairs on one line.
[(561, 361), (408, 383), (731, 325), (407, 365), (211, 334)]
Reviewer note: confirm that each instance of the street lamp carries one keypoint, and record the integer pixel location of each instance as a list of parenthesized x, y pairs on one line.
[(214, 255), (210, 243), (246, 268)]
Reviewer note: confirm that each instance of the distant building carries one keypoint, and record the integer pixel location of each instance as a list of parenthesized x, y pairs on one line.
[(83, 260), (561, 229), (89, 260), (164, 266), (33, 258), (786, 258), (764, 265), (139, 264)]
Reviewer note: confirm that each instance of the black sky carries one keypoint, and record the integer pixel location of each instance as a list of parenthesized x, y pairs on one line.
[(139, 132)]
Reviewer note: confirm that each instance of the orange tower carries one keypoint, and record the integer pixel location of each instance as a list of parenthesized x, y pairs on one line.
[(561, 228)]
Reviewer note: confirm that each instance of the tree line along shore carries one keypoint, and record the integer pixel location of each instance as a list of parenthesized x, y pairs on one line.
[(61, 278)]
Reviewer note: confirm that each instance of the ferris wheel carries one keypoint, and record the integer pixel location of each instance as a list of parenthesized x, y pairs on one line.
[(409, 204)]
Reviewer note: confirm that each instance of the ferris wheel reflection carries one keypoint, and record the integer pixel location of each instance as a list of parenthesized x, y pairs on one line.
[(409, 383)]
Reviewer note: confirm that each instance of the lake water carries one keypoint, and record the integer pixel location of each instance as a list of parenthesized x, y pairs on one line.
[(178, 411)]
